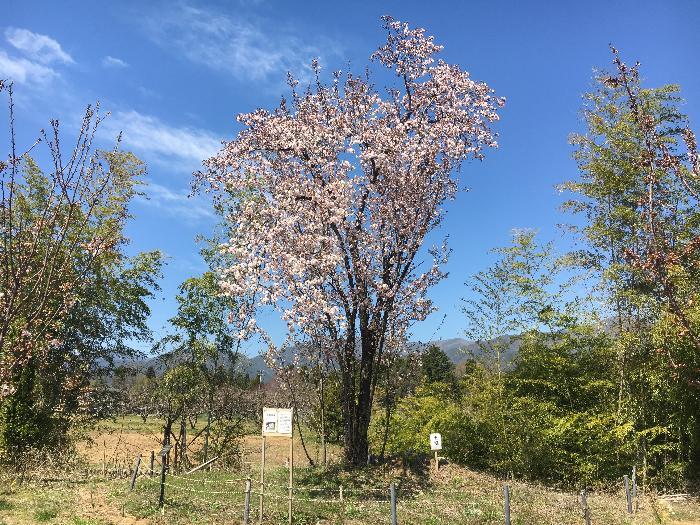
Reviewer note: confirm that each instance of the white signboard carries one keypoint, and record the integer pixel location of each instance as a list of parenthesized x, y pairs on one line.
[(284, 421), (277, 422), (435, 441), (269, 420)]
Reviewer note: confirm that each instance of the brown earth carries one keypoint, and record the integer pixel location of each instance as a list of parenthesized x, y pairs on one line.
[(93, 505), (120, 447)]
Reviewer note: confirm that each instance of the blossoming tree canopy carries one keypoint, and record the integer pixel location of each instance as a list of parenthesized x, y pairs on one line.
[(330, 196)]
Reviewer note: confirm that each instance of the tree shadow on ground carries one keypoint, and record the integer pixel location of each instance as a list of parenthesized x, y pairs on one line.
[(410, 474)]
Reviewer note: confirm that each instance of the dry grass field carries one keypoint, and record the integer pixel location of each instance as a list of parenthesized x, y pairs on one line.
[(453, 496)]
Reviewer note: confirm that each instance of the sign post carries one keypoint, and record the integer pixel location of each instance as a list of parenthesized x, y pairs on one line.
[(277, 422), (436, 445), (163, 468), (262, 481)]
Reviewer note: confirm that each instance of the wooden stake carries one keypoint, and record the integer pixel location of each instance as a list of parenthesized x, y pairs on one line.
[(342, 506), (262, 481), (506, 503), (161, 498), (291, 477), (628, 494), (585, 508), (205, 464), (634, 487), (437, 463), (137, 464), (246, 508), (392, 495), (153, 458)]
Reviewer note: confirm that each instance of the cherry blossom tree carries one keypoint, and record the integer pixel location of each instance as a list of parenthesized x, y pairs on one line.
[(329, 198)]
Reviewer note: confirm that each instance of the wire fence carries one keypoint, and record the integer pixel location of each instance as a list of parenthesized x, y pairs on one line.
[(219, 496), (219, 493), (226, 495)]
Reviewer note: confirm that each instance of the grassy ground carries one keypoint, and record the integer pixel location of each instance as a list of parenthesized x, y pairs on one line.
[(455, 495)]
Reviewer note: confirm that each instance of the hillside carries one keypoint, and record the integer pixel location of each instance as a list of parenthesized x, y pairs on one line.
[(457, 349)]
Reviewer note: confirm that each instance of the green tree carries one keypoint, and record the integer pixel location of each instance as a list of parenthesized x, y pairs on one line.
[(178, 391), (71, 299), (437, 366), (638, 189), (520, 292), (206, 335)]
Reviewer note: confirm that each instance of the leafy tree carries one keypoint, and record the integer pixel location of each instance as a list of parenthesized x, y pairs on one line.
[(562, 388), (638, 189), (178, 391), (331, 196), (432, 408), (437, 366), (207, 328), (407, 367), (71, 297)]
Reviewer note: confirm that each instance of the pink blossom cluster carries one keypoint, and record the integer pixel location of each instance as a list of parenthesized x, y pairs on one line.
[(330, 196)]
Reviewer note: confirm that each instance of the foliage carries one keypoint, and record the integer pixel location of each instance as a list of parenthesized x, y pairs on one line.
[(436, 366), (553, 420), (638, 190), (72, 299), (205, 340), (585, 399), (551, 414)]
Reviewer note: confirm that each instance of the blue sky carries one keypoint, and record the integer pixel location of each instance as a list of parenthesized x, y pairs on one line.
[(174, 75)]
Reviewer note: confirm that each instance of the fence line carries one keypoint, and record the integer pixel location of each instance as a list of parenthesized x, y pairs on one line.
[(350, 490), (198, 487)]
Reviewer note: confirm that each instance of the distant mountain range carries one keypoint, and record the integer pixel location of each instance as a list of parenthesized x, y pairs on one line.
[(457, 349)]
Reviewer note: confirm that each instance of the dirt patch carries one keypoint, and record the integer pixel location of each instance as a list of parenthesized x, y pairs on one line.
[(94, 506), (277, 452), (117, 447)]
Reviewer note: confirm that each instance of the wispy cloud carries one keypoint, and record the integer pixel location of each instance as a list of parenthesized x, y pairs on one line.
[(239, 46), (24, 71), (172, 145), (114, 62), (35, 64), (178, 203), (41, 48)]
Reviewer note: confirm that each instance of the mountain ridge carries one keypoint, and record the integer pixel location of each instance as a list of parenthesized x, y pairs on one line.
[(457, 349)]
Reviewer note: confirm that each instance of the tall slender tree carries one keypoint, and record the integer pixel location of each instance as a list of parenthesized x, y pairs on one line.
[(639, 190), (331, 196)]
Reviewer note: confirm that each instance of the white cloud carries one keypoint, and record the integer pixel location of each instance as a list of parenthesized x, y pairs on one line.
[(177, 203), (237, 46), (180, 146), (41, 48), (110, 61), (24, 71)]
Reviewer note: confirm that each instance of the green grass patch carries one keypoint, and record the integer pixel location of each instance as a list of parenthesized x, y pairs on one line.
[(84, 521), (131, 423), (45, 514)]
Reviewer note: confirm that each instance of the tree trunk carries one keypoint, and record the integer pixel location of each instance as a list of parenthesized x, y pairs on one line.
[(206, 432), (167, 430), (183, 442), (357, 402), (323, 426), (301, 437)]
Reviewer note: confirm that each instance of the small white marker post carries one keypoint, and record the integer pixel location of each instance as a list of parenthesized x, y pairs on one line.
[(436, 446)]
